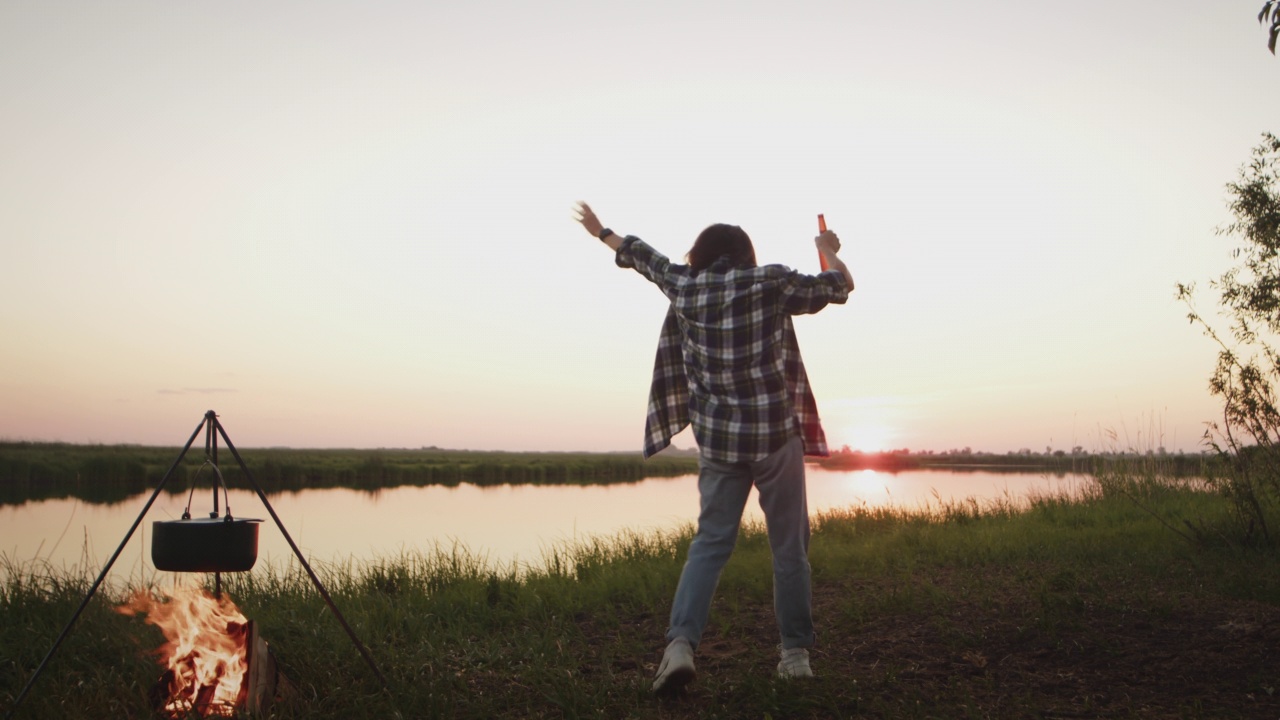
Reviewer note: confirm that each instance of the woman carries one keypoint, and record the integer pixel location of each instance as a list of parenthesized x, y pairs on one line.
[(728, 362)]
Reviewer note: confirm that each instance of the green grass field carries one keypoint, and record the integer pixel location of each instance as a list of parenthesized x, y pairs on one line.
[(1073, 608)]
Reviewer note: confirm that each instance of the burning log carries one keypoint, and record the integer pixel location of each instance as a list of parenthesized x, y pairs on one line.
[(260, 682), (217, 663)]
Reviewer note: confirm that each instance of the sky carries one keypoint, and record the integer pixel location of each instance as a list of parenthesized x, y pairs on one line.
[(344, 224)]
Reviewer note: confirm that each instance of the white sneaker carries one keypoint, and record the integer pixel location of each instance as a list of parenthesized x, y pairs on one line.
[(794, 664), (676, 669)]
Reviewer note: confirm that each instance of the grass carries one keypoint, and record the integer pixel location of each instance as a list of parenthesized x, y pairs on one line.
[(1069, 608)]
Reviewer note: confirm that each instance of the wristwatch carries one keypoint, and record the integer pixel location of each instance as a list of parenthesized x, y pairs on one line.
[(606, 232)]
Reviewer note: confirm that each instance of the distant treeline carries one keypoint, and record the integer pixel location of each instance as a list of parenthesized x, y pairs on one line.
[(111, 473), (1177, 464)]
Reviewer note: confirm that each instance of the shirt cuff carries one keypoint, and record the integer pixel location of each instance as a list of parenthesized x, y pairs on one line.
[(843, 289), (623, 257)]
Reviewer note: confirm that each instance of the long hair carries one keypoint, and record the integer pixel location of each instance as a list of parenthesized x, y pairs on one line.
[(719, 240)]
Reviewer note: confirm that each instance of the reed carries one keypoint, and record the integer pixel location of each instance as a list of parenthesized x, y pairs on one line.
[(111, 473), (963, 609)]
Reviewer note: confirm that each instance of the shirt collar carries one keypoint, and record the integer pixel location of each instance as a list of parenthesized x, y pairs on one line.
[(724, 264)]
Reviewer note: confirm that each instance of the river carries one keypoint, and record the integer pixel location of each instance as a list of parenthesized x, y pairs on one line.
[(503, 524)]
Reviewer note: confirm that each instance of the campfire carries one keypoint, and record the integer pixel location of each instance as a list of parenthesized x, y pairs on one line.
[(216, 664)]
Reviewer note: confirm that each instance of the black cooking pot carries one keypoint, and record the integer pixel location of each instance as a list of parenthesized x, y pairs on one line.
[(205, 544)]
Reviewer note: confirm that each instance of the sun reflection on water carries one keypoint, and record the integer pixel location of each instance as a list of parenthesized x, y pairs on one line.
[(504, 524)]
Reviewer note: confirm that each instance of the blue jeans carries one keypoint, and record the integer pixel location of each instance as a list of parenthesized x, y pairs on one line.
[(724, 487)]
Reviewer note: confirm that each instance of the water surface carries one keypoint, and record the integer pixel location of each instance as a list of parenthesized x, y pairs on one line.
[(505, 524)]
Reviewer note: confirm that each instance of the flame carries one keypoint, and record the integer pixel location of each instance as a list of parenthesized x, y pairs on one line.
[(205, 649)]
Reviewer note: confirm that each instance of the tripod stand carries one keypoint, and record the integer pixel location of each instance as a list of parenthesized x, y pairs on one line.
[(213, 429)]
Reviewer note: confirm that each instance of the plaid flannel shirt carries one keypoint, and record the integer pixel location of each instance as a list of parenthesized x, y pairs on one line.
[(728, 359)]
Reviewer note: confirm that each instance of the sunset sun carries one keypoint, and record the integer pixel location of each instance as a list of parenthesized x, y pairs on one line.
[(867, 437)]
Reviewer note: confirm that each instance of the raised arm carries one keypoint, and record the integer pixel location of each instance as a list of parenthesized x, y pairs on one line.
[(829, 244), (584, 215)]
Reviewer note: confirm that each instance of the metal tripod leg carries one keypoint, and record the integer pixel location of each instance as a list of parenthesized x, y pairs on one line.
[(298, 553), (96, 583), (211, 419)]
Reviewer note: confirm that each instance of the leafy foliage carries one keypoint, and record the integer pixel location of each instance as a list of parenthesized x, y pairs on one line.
[(1272, 10), (1248, 368), (1251, 291)]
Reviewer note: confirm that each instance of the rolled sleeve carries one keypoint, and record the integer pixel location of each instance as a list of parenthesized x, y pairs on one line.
[(806, 294), (637, 254)]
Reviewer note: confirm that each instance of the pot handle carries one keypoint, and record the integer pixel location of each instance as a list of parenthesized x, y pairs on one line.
[(226, 499)]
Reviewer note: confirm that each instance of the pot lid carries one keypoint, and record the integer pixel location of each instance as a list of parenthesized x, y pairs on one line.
[(212, 521)]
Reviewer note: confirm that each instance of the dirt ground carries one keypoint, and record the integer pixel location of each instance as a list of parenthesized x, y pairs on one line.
[(1011, 650)]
